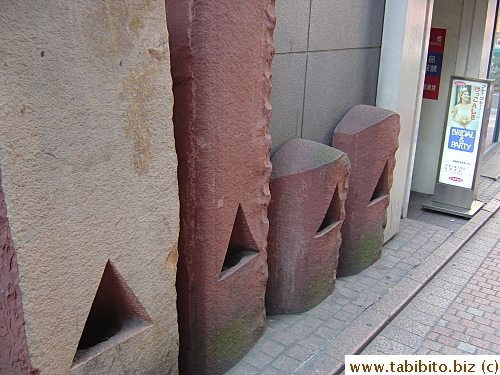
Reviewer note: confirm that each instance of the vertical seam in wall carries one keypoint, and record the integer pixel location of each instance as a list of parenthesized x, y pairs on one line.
[(305, 72), (471, 31)]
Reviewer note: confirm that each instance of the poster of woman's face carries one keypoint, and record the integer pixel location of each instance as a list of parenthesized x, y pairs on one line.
[(468, 101), (463, 94)]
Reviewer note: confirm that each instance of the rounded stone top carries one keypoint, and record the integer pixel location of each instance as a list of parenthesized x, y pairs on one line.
[(361, 117), (300, 155)]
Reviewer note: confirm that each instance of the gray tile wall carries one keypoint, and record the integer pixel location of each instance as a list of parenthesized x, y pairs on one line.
[(327, 58)]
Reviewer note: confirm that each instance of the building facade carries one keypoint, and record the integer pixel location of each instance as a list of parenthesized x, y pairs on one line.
[(89, 200)]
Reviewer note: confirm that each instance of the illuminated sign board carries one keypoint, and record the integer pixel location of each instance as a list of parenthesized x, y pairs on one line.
[(468, 99), (467, 117)]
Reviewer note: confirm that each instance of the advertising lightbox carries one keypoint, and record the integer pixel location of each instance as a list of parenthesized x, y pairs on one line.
[(460, 147), (468, 108)]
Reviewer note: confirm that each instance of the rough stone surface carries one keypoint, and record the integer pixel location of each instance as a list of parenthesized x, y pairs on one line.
[(369, 136), (221, 66), (13, 350), (308, 192), (89, 176)]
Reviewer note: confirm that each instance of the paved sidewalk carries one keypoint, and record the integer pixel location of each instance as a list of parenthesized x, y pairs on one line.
[(365, 307), (458, 312)]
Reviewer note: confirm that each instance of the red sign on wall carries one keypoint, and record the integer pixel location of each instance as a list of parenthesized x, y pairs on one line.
[(434, 63)]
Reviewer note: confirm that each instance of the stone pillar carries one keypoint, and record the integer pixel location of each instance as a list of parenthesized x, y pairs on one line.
[(221, 66), (89, 177), (308, 192), (369, 136)]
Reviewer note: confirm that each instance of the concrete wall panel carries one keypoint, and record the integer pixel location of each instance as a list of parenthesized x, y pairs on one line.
[(288, 91), (334, 86), (293, 21), (346, 24), (341, 43)]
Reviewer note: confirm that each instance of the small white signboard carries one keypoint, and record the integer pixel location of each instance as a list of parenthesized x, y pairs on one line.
[(469, 105)]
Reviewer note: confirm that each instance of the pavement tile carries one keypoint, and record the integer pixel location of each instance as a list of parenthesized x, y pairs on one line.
[(326, 333), (388, 346), (432, 336), (451, 318), (495, 346), (347, 315), (311, 321), (284, 338), (486, 329), (300, 352), (480, 343), (425, 269), (336, 324), (244, 369), (435, 300), (354, 337), (314, 342), (481, 320), (397, 297), (426, 307), (460, 336), (270, 347), (320, 313), (466, 347), (492, 317), (258, 359), (465, 315), (447, 350), (491, 338), (472, 329), (271, 371), (300, 330), (286, 364), (422, 351), (402, 336), (412, 326), (447, 340), (443, 330), (456, 327), (321, 364), (419, 316), (432, 345), (442, 323)]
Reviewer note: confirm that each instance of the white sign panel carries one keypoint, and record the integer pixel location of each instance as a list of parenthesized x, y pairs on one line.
[(468, 100)]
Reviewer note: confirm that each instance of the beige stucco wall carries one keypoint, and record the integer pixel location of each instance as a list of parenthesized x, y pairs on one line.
[(89, 172)]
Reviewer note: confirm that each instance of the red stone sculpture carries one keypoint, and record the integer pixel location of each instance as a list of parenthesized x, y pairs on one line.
[(14, 357), (221, 53), (308, 192), (369, 136)]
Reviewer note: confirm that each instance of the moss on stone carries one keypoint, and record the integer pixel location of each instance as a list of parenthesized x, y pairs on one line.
[(319, 288), (230, 343), (368, 251), (364, 255)]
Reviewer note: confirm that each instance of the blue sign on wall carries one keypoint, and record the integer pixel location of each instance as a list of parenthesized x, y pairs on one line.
[(462, 139), (434, 64)]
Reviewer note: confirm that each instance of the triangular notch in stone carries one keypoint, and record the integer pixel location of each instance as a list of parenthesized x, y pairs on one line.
[(116, 314), (382, 188), (332, 216), (242, 246)]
